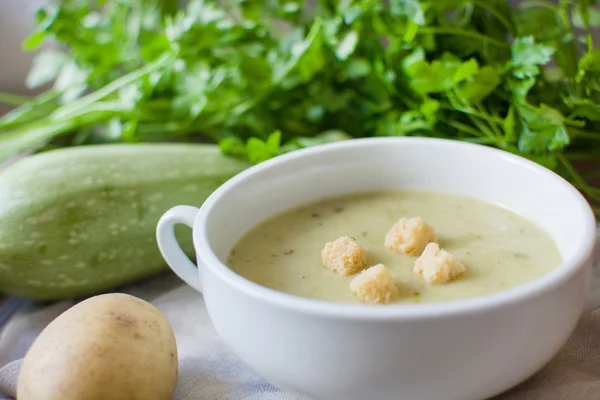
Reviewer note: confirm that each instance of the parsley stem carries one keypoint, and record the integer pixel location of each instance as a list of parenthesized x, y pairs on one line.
[(489, 119), (481, 140), (30, 109), (13, 99), (452, 31), (85, 111), (112, 87), (166, 127), (470, 111), (481, 127), (564, 13), (538, 3), (485, 5), (36, 134), (569, 167), (462, 127), (112, 107)]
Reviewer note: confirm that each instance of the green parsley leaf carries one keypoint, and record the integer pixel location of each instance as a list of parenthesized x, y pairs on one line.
[(259, 150), (477, 88), (46, 68), (543, 130), (527, 53)]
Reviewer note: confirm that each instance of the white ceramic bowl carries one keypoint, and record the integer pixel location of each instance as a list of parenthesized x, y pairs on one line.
[(460, 350)]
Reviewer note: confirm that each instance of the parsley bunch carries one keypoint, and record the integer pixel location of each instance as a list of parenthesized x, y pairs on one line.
[(264, 78)]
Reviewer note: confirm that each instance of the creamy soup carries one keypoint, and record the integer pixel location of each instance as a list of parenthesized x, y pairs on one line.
[(499, 248)]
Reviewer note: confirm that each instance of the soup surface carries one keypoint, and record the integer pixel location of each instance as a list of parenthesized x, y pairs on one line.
[(499, 248)]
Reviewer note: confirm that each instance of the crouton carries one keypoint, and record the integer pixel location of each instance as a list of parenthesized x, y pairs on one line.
[(437, 265), (410, 236), (374, 286), (344, 256)]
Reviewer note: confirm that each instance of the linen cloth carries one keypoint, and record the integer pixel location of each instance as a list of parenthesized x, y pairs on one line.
[(209, 371)]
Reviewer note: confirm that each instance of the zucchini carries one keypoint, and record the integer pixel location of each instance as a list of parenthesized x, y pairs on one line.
[(81, 220)]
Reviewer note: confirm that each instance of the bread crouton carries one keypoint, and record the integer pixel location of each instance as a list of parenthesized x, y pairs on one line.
[(436, 265), (410, 236), (375, 286), (344, 256)]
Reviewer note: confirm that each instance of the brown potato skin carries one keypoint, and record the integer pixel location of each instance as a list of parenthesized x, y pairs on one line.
[(108, 347)]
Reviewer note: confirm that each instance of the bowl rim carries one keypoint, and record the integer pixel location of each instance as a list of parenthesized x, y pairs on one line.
[(543, 284)]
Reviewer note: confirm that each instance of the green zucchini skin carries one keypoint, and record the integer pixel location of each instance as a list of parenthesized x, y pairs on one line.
[(81, 220)]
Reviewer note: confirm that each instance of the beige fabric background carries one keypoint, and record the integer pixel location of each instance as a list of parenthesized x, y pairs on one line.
[(574, 374)]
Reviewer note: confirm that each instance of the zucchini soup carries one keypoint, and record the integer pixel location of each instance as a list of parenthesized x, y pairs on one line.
[(394, 247)]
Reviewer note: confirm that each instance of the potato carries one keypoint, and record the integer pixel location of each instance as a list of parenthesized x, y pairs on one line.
[(108, 347)]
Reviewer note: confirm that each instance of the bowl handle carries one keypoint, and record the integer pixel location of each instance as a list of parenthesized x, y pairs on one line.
[(593, 297), (170, 249)]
